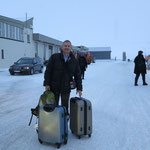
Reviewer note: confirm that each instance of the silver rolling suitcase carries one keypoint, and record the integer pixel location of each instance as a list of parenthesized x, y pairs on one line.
[(80, 116), (52, 125)]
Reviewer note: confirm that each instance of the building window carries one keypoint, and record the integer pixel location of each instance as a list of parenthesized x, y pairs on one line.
[(44, 56), (4, 34), (20, 34), (28, 38), (17, 33), (2, 54), (3, 30), (50, 47), (11, 32), (36, 49), (7, 31), (0, 28)]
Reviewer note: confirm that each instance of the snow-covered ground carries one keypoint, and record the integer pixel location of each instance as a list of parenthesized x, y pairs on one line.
[(121, 111)]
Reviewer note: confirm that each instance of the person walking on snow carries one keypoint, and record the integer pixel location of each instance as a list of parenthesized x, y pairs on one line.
[(140, 67), (83, 65)]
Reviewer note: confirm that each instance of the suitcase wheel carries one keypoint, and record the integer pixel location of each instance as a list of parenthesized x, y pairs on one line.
[(89, 135), (37, 130), (58, 145), (40, 141)]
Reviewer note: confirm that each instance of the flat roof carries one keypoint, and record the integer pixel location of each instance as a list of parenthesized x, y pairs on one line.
[(46, 39), (96, 49), (18, 23)]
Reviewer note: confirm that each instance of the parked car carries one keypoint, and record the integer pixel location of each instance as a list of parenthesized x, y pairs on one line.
[(27, 65)]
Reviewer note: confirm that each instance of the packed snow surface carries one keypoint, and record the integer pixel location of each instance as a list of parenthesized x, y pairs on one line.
[(121, 111)]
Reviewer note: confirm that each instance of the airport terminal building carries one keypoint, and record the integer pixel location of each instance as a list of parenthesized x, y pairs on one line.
[(100, 52), (18, 40)]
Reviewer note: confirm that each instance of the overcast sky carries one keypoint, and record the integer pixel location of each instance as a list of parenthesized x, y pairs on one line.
[(122, 24)]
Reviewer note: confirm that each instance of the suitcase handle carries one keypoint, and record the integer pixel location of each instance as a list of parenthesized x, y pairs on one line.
[(49, 107), (78, 98), (75, 98)]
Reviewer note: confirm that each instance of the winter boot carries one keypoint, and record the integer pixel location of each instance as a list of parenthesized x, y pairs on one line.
[(145, 83), (136, 79), (143, 78)]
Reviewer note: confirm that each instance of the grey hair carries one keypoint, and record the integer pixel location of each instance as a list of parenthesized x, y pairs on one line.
[(67, 42)]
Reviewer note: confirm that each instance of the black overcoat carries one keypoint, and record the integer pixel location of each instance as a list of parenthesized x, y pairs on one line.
[(140, 66), (82, 63), (59, 73)]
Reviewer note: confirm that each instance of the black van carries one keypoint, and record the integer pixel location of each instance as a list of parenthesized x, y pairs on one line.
[(27, 65)]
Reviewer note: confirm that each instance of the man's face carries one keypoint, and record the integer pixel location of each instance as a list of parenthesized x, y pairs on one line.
[(66, 48)]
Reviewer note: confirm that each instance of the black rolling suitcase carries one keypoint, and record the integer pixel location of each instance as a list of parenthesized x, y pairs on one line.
[(80, 116)]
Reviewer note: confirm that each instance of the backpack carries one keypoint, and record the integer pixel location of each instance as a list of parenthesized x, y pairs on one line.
[(47, 97)]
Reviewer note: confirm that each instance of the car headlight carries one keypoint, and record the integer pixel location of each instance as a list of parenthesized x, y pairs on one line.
[(26, 67)]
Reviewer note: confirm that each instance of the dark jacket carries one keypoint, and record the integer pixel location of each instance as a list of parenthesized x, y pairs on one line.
[(140, 66), (59, 73), (82, 63)]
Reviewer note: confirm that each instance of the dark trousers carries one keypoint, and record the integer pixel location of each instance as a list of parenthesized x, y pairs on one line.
[(82, 74), (137, 77), (64, 99)]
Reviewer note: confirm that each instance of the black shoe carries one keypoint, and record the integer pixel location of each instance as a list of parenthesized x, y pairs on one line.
[(145, 83), (136, 84), (68, 116)]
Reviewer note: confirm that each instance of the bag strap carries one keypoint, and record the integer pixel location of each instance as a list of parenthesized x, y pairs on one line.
[(30, 119)]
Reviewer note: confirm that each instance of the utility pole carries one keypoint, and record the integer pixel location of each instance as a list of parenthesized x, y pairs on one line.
[(26, 20), (124, 56)]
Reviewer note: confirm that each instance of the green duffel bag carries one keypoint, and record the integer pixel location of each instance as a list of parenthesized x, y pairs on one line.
[(46, 98)]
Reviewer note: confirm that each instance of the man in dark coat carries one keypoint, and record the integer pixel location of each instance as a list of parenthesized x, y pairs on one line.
[(83, 65), (140, 67), (61, 69)]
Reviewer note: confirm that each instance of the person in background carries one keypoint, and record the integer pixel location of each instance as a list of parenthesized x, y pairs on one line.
[(60, 71), (140, 67), (83, 65)]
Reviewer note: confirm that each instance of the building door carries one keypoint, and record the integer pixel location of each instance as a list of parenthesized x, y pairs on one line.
[(44, 56), (50, 50), (36, 49)]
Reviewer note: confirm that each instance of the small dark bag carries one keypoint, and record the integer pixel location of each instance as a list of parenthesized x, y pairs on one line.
[(72, 84)]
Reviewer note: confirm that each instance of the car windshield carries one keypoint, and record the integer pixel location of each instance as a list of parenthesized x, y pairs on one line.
[(25, 61)]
